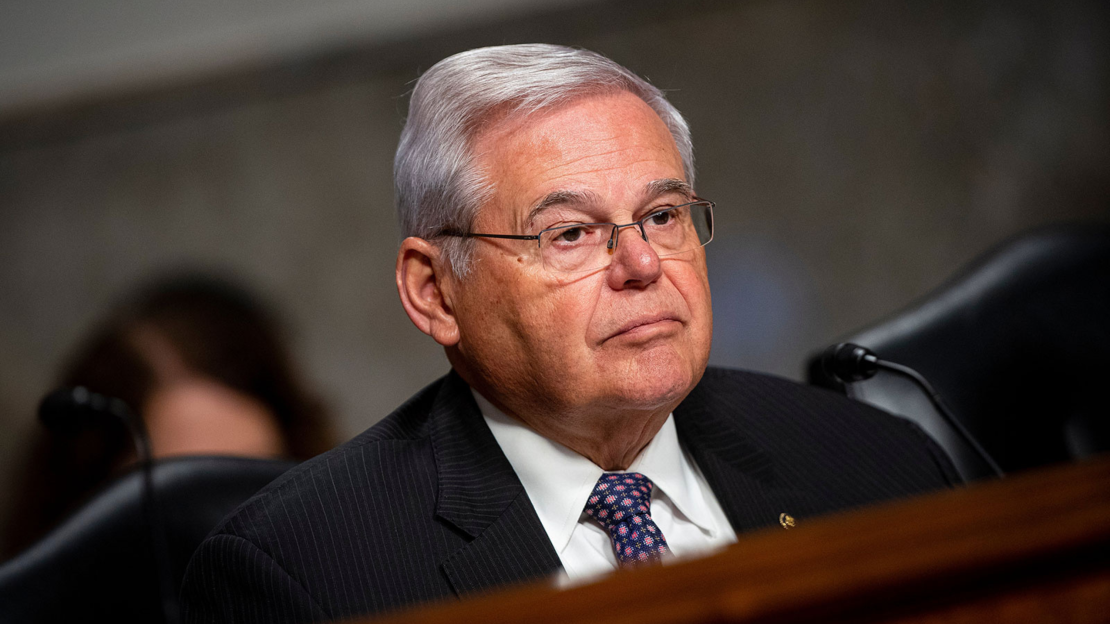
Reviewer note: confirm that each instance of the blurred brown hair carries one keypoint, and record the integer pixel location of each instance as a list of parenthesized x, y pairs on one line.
[(219, 332)]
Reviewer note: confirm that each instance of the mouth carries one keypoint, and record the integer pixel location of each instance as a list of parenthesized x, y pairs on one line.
[(647, 327)]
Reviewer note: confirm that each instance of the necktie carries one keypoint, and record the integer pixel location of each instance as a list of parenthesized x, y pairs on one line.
[(621, 504)]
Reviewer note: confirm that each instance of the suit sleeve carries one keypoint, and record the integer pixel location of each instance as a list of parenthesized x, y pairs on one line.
[(230, 579)]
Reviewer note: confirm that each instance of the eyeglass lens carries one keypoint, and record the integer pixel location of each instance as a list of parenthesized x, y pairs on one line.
[(588, 246)]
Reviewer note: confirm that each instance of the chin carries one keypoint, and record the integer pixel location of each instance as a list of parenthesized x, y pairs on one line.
[(654, 380)]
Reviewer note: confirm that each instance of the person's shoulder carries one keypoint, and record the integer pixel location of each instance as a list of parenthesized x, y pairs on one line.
[(332, 537), (817, 428), (762, 395), (392, 454)]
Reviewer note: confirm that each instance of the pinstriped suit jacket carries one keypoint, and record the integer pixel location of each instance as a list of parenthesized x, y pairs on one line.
[(424, 505)]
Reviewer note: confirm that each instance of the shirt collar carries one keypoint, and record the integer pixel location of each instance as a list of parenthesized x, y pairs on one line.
[(666, 463), (558, 480)]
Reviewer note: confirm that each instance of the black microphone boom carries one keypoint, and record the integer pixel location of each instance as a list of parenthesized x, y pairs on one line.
[(71, 410), (847, 362)]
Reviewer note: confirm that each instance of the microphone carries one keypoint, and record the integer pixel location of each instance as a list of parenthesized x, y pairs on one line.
[(847, 363), (72, 410), (68, 411)]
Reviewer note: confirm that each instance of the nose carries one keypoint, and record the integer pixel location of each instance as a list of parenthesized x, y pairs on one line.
[(635, 263)]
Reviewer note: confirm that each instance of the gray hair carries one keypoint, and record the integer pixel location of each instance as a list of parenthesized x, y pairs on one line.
[(436, 184)]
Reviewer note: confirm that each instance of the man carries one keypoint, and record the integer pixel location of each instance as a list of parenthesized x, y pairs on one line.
[(555, 249)]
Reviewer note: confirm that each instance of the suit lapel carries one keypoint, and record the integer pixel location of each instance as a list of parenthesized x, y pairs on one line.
[(741, 475), (482, 497)]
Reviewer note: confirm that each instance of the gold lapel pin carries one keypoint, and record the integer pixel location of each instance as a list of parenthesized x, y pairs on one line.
[(786, 520)]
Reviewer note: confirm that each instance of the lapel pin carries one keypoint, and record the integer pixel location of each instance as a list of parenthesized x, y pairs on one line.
[(786, 520)]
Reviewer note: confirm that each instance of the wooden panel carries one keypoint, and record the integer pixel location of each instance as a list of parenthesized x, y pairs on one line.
[(1010, 550), (1082, 600)]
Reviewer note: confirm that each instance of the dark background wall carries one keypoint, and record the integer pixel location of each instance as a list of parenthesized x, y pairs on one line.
[(860, 152)]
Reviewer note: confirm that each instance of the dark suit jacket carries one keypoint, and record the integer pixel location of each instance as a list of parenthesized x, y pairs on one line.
[(424, 505)]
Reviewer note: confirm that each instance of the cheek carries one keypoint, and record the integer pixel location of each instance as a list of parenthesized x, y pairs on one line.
[(692, 283), (518, 316), (559, 318)]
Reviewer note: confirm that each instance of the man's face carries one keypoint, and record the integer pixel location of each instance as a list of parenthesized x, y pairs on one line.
[(632, 335)]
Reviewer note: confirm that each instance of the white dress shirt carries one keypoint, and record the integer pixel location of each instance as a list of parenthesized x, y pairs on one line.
[(558, 482)]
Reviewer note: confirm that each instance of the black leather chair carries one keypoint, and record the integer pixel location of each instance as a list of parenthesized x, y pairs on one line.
[(98, 564), (1018, 346)]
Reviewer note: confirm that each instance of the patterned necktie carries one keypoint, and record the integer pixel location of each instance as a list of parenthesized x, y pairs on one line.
[(621, 503)]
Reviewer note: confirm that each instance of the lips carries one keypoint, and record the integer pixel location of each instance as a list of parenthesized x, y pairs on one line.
[(643, 323)]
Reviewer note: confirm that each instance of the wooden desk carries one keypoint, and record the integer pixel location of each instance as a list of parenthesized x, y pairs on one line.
[(1031, 548)]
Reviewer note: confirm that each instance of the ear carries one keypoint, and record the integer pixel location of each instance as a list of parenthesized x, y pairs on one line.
[(426, 285)]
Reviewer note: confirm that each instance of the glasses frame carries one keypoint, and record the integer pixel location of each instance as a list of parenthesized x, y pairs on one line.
[(614, 236)]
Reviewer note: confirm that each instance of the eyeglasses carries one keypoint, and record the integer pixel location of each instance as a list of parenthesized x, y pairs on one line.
[(589, 246)]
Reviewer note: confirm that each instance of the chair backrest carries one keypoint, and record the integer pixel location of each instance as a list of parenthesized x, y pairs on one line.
[(98, 565), (1018, 346)]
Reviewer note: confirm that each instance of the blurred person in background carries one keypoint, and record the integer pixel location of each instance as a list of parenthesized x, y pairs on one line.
[(207, 368)]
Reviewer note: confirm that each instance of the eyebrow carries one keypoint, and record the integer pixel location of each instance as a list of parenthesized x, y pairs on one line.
[(563, 197), (669, 185)]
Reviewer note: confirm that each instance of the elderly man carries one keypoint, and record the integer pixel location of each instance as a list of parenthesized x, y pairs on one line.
[(555, 248)]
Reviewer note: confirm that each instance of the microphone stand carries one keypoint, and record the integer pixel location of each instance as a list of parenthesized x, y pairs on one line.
[(57, 407), (850, 363)]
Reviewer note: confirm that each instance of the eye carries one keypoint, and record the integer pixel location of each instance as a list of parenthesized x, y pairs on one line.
[(661, 218), (570, 235)]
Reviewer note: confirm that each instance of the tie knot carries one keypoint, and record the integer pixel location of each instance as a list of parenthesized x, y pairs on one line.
[(620, 497), (621, 504)]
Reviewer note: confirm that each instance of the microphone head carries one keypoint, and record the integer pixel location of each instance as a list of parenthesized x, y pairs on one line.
[(72, 410), (848, 362)]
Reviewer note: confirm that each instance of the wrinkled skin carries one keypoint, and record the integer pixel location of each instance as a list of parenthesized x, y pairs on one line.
[(593, 360)]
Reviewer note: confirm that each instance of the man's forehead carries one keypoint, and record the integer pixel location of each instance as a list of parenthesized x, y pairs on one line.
[(576, 154)]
